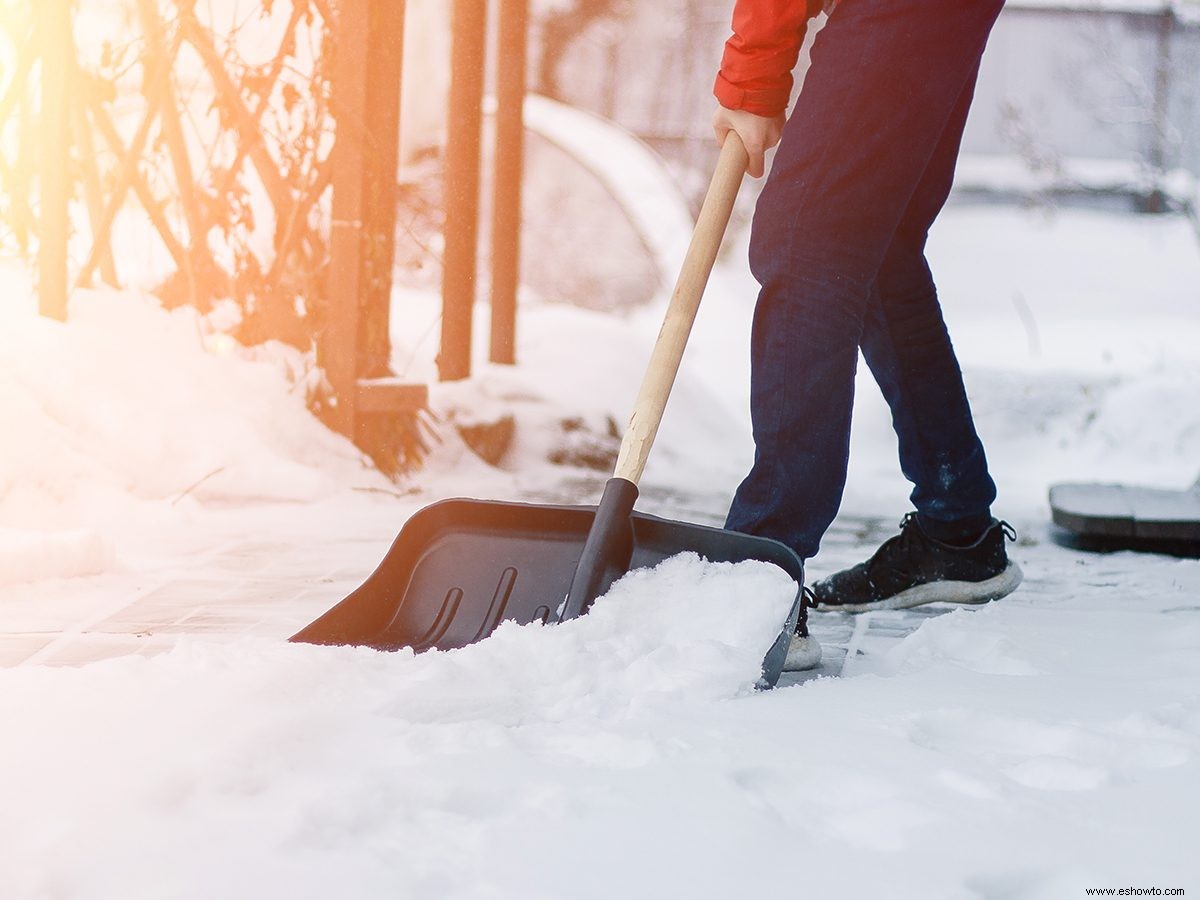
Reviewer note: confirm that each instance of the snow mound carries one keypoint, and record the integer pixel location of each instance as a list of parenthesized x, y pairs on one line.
[(975, 640), (30, 556), (687, 628), (130, 402), (318, 771), (639, 180), (582, 365)]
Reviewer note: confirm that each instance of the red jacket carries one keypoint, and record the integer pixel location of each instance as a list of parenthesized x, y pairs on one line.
[(756, 70)]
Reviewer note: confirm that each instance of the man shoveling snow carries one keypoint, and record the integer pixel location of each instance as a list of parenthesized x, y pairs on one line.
[(863, 168)]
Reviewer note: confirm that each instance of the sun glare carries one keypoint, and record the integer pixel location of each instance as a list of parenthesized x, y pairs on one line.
[(14, 28), (8, 25)]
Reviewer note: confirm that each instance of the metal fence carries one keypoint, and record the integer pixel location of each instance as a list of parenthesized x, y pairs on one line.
[(1061, 81)]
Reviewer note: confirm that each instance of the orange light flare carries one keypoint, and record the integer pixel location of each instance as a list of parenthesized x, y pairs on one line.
[(56, 58), (14, 21), (13, 17), (16, 167)]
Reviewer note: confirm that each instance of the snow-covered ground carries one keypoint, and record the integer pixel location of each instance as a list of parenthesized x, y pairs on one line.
[(169, 513)]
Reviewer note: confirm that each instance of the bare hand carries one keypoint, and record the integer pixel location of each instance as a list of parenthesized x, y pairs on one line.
[(758, 133)]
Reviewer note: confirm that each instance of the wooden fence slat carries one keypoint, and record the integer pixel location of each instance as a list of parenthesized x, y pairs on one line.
[(130, 178), (512, 43), (387, 396), (468, 26), (381, 138), (338, 351), (158, 78), (92, 192), (293, 234), (247, 125), (54, 187), (26, 54)]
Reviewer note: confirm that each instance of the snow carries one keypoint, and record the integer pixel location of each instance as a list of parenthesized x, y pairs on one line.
[(1081, 348), (32, 556), (170, 513), (357, 773), (128, 403), (638, 179)]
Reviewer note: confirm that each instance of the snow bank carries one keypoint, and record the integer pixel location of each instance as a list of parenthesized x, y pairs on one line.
[(1031, 748), (1076, 329), (128, 403), (581, 364), (1028, 749), (30, 556), (1080, 343), (638, 178), (263, 769)]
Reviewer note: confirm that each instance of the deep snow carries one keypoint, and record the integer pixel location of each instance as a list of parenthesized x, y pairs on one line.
[(169, 513)]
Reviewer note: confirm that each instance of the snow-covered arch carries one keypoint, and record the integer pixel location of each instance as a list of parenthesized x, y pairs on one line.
[(636, 177)]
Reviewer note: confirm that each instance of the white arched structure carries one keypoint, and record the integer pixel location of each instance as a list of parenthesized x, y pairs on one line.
[(635, 176)]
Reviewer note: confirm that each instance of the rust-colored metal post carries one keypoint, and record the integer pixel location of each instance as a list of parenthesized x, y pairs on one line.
[(468, 25), (338, 347), (57, 52), (512, 46), (385, 56)]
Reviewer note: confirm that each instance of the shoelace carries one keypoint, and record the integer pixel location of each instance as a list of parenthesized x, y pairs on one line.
[(894, 552), (909, 526), (1009, 531), (809, 602)]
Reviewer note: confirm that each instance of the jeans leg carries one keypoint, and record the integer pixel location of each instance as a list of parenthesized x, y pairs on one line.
[(906, 345), (885, 79)]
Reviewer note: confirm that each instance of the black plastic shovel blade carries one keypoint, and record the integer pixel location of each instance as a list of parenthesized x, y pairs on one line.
[(460, 567)]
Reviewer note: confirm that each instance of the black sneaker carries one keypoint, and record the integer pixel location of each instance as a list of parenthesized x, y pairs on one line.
[(804, 652), (912, 569)]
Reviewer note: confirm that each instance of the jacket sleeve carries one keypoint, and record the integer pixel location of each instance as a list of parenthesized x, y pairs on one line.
[(756, 68)]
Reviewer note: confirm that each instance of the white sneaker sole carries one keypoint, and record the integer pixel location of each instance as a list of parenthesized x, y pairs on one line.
[(968, 592)]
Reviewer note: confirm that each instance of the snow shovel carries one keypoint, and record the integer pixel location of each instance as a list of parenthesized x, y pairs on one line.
[(460, 567)]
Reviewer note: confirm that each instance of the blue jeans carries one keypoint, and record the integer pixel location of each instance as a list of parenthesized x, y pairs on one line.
[(838, 244)]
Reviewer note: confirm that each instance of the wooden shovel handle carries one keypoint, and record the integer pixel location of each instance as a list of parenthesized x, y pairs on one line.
[(681, 312)]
